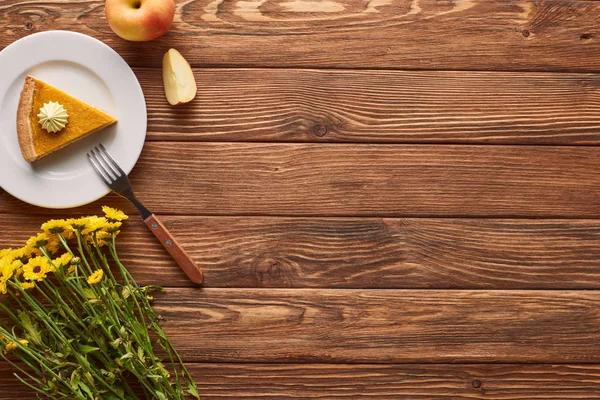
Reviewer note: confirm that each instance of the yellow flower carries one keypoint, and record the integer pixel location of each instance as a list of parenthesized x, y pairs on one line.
[(94, 223), (27, 285), (5, 252), (25, 253), (36, 269), (95, 277), (63, 260), (104, 235), (10, 346), (113, 214), (7, 259), (44, 240), (78, 224), (55, 226), (54, 245), (17, 267), (38, 241), (101, 237), (6, 268), (113, 227), (71, 270)]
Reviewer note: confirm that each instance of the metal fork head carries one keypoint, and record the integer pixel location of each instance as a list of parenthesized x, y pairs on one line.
[(109, 171), (115, 178)]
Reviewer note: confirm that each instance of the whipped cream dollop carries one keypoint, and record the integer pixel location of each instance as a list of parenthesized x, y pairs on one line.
[(53, 117)]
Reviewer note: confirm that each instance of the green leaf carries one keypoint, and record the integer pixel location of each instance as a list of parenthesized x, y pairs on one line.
[(115, 296), (75, 378), (193, 391), (160, 395), (119, 390), (85, 349), (33, 334), (88, 376), (109, 376), (52, 385), (126, 356), (84, 361), (153, 288), (155, 378), (86, 389), (140, 353), (89, 293)]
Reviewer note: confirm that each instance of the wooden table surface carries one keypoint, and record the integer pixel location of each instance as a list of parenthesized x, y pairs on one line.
[(391, 199)]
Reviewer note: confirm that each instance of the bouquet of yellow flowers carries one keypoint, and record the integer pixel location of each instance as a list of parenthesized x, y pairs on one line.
[(73, 330)]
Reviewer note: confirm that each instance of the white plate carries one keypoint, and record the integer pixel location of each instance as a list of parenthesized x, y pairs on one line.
[(91, 71)]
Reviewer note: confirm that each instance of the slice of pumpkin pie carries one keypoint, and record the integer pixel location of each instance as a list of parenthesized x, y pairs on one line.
[(48, 119)]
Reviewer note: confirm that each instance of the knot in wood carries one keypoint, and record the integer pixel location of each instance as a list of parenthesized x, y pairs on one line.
[(268, 270), (476, 384), (320, 130)]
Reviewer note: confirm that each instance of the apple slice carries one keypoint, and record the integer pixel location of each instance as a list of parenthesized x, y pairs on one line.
[(178, 78)]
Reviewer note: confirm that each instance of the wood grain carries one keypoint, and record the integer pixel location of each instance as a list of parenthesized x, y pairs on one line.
[(382, 326), (377, 381), (343, 297), (416, 34), (360, 180), (360, 252), (379, 106)]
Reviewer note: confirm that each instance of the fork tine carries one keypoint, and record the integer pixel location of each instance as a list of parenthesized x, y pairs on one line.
[(106, 162), (98, 170), (102, 163), (107, 154)]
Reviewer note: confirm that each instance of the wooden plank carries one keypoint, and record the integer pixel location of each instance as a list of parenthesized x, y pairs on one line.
[(294, 105), (379, 106), (382, 326), (509, 382), (360, 252), (377, 381), (415, 34), (361, 180)]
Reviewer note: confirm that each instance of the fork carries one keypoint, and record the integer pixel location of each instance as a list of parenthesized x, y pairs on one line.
[(116, 179)]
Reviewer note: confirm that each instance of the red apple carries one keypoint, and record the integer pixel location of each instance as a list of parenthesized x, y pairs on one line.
[(139, 20)]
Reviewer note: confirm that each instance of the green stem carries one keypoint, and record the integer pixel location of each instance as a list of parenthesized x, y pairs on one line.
[(117, 309), (9, 313), (82, 253), (42, 361), (50, 324), (128, 278)]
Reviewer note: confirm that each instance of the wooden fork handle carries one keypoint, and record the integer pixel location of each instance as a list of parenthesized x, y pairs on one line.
[(172, 246)]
